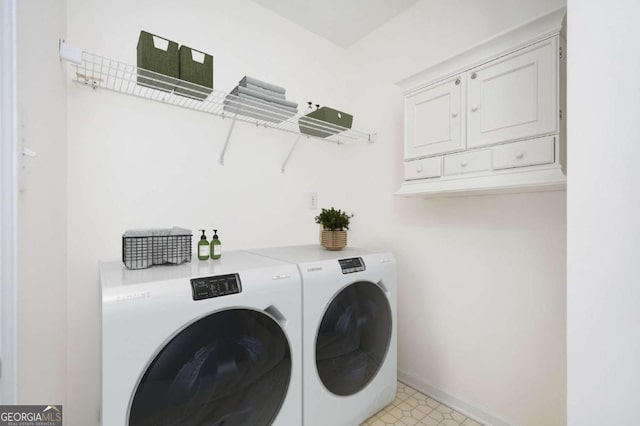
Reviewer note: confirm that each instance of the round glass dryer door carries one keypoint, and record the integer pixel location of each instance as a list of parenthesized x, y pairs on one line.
[(229, 368), (353, 338)]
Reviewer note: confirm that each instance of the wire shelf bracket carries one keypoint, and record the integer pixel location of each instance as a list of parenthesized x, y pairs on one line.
[(99, 72), (226, 142), (293, 147)]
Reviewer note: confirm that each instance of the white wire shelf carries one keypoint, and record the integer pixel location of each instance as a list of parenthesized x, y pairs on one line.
[(103, 73)]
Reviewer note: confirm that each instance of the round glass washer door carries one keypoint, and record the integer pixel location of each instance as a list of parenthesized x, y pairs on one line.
[(353, 338), (229, 368)]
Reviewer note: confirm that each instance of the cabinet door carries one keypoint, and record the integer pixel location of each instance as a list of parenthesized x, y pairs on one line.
[(514, 97), (434, 120)]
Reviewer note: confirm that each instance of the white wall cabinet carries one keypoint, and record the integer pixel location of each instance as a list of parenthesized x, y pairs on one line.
[(514, 97), (490, 119), (435, 120)]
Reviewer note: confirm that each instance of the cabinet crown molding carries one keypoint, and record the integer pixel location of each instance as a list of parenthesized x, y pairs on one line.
[(494, 47)]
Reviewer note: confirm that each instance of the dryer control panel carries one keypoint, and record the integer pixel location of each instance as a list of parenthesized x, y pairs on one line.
[(216, 286), (349, 266)]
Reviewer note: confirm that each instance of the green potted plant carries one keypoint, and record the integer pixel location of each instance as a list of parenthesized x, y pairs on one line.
[(334, 228)]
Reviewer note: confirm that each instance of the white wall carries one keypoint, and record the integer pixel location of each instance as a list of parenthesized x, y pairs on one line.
[(42, 293), (482, 289), (481, 279), (133, 163), (603, 208)]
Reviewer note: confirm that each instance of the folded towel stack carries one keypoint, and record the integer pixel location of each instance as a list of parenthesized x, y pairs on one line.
[(260, 100)]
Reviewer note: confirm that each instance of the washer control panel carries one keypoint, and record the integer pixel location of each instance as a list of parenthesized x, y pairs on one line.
[(349, 266), (216, 286)]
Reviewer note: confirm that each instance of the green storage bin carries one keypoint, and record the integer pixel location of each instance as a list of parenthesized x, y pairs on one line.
[(158, 60), (331, 116), (194, 71)]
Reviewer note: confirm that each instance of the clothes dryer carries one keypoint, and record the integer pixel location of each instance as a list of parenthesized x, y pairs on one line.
[(215, 343), (349, 331)]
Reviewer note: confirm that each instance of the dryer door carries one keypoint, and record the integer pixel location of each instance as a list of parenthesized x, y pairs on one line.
[(353, 338), (229, 368)]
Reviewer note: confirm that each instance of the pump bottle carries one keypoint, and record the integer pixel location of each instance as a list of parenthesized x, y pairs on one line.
[(203, 247), (216, 246)]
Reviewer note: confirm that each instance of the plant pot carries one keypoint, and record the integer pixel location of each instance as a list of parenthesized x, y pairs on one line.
[(333, 240)]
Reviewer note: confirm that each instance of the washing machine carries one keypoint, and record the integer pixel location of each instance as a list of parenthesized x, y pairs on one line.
[(349, 331), (203, 343)]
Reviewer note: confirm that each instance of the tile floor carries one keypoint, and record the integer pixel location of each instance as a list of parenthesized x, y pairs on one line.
[(414, 408)]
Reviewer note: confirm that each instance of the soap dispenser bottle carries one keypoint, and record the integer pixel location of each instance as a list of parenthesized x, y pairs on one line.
[(203, 247), (216, 246)]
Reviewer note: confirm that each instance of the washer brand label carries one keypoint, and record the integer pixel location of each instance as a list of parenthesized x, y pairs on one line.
[(30, 415), (132, 296), (317, 268)]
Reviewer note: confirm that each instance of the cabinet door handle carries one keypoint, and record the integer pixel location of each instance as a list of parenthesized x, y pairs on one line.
[(454, 114), (519, 155), (463, 164), (473, 76), (419, 170), (474, 108), (457, 81)]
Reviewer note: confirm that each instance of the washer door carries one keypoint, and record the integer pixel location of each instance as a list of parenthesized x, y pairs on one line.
[(229, 368), (353, 338)]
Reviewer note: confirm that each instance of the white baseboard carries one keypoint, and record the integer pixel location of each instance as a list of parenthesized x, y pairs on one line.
[(469, 409)]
